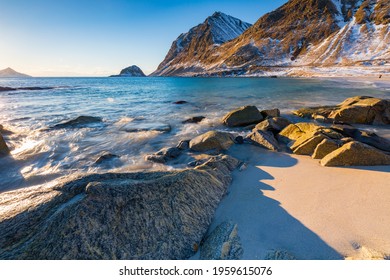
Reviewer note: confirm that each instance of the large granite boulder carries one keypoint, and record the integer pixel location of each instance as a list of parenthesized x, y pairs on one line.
[(306, 144), (264, 139), (4, 150), (324, 148), (275, 124), (365, 137), (294, 131), (356, 154), (164, 155), (358, 109), (271, 113), (212, 140), (146, 215), (243, 116)]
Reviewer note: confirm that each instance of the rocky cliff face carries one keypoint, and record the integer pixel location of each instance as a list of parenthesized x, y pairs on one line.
[(299, 33), (197, 44), (131, 71)]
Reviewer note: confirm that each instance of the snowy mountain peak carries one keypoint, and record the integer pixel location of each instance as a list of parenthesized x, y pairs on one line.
[(217, 29), (300, 33), (225, 28)]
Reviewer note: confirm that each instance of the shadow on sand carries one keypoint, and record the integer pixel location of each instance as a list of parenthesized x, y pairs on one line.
[(263, 225)]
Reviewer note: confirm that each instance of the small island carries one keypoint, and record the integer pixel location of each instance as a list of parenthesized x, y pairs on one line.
[(11, 73), (131, 71)]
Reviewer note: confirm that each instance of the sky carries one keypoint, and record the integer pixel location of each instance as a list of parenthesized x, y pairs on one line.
[(101, 37)]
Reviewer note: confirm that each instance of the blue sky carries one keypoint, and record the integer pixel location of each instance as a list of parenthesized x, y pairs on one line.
[(100, 37)]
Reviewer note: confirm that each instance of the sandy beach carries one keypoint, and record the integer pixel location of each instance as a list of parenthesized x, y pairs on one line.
[(290, 203)]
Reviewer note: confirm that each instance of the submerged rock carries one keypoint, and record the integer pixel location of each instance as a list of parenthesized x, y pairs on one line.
[(356, 154), (146, 126), (183, 145), (223, 243), (243, 116), (164, 155), (78, 122), (196, 119), (212, 140), (4, 150), (151, 215), (105, 157), (180, 102)]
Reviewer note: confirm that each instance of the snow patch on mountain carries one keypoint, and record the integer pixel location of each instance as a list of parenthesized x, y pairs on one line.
[(225, 28)]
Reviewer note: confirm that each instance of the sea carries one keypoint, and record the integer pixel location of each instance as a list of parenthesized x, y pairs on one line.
[(139, 117)]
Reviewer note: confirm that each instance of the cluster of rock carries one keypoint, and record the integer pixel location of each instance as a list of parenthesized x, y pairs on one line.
[(151, 215), (165, 215), (336, 145), (359, 110)]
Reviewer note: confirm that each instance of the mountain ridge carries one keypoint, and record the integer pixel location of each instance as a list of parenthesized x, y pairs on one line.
[(308, 33), (217, 29)]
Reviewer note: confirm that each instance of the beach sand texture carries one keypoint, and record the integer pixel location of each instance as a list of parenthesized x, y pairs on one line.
[(285, 202)]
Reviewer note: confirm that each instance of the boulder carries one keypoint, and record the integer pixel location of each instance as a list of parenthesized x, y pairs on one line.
[(223, 243), (243, 116), (365, 137), (265, 139), (129, 216), (356, 154), (310, 112), (4, 150), (358, 109), (271, 113), (164, 155), (183, 145), (212, 140), (324, 148), (294, 131), (306, 145), (275, 124), (105, 157), (196, 119), (78, 122)]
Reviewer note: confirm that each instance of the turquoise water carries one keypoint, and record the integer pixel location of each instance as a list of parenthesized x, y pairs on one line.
[(40, 155)]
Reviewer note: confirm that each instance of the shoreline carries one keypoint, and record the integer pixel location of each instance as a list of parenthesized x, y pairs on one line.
[(290, 203)]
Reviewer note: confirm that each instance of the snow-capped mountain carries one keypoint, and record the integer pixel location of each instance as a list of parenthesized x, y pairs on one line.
[(301, 33), (194, 45)]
